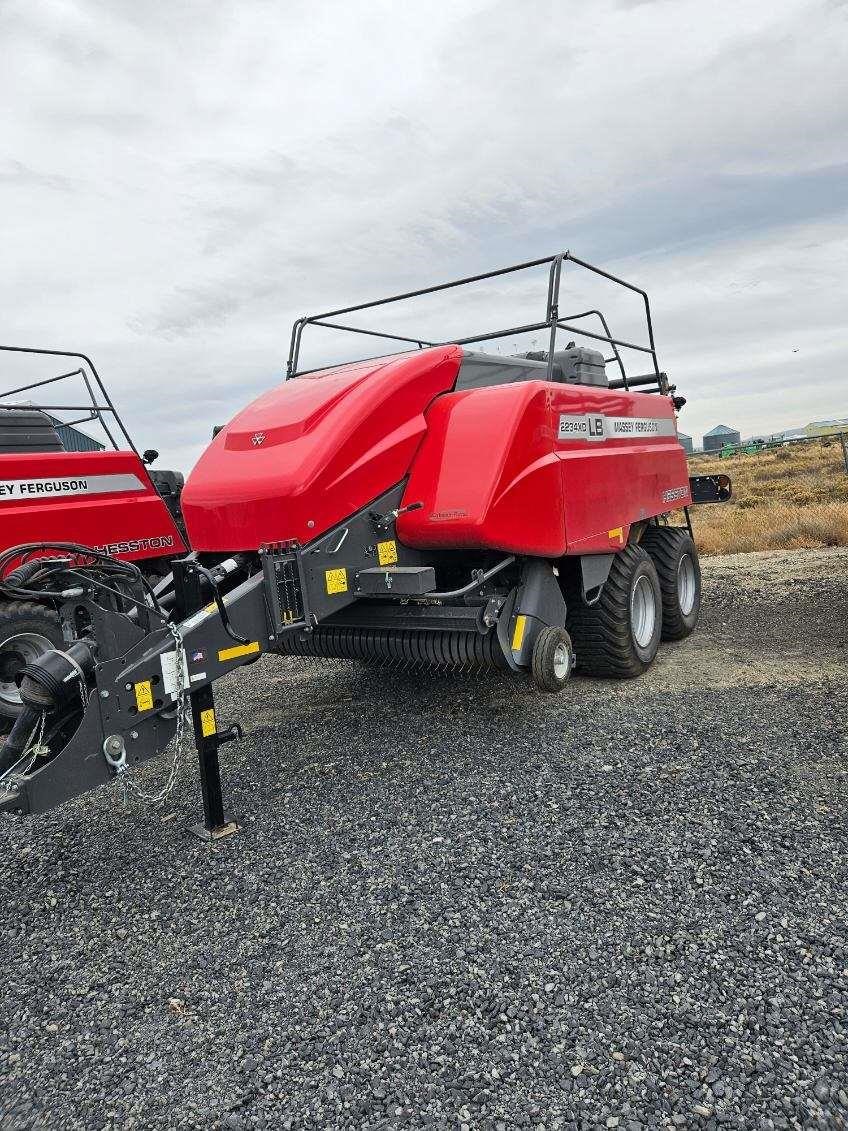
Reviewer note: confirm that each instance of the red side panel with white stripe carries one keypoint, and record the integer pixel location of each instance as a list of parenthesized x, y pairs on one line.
[(101, 499), (543, 469)]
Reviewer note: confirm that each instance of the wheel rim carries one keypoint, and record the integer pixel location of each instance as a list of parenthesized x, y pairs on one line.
[(562, 661), (643, 611), (686, 584), (15, 653)]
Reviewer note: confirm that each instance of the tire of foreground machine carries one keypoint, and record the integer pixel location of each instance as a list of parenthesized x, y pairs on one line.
[(552, 659), (27, 630), (618, 637), (674, 554)]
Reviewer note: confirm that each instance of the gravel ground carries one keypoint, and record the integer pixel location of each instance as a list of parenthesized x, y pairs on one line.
[(458, 904)]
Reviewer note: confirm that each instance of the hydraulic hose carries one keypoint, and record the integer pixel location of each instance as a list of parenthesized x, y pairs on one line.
[(47, 686), (19, 736)]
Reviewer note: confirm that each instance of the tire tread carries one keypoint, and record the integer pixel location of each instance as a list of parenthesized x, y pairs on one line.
[(665, 545), (601, 632)]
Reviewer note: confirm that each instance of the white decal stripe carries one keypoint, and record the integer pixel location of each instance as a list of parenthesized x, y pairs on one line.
[(14, 490), (596, 426)]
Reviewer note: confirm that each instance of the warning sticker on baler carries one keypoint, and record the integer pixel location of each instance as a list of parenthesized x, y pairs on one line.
[(387, 552), (144, 695), (174, 681), (208, 726), (336, 581)]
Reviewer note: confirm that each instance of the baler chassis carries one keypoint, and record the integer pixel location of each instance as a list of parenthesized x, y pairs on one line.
[(136, 667)]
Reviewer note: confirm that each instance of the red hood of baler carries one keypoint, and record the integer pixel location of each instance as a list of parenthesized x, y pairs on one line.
[(312, 451)]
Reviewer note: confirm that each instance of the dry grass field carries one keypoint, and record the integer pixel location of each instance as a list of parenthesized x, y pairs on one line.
[(789, 498)]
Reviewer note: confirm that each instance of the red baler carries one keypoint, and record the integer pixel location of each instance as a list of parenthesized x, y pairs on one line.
[(442, 507)]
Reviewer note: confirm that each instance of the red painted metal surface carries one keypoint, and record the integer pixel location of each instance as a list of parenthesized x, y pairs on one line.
[(133, 523), (490, 465), (312, 451), (493, 471)]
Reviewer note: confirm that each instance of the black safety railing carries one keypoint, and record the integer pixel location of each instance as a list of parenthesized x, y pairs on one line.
[(552, 322), (97, 404)]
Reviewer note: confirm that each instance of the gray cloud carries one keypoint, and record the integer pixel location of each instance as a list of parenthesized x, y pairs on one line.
[(187, 178), (16, 174)]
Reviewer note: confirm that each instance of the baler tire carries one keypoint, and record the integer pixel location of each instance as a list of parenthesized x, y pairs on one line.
[(603, 633), (676, 558), (553, 659), (39, 627)]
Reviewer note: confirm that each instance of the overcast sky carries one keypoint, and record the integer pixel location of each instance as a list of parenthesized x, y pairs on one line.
[(179, 180)]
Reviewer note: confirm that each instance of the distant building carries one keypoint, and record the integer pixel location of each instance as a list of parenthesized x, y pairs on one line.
[(73, 440), (826, 427), (686, 443), (717, 437)]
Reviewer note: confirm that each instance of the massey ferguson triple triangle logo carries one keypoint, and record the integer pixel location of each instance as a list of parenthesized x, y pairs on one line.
[(257, 438)]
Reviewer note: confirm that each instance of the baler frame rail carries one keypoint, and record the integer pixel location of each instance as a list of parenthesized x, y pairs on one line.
[(95, 388), (552, 322)]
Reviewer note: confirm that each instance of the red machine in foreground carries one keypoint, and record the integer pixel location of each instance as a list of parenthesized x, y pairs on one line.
[(437, 508), (100, 498)]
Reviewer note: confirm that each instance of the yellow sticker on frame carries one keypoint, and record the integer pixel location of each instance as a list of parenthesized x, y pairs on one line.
[(518, 632), (208, 726), (144, 695), (336, 580), (234, 653), (387, 552)]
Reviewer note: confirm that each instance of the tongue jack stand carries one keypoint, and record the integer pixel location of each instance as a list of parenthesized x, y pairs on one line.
[(216, 823)]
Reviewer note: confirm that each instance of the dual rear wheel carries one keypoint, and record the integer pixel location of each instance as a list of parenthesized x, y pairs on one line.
[(653, 593)]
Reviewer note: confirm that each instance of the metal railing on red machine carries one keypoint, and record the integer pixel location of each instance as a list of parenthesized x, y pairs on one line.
[(553, 322), (97, 404)]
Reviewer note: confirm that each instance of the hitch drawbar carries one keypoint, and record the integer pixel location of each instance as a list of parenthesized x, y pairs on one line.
[(116, 699)]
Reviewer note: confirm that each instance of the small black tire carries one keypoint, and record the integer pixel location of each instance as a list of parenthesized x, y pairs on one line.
[(676, 557), (611, 637), (553, 659), (27, 629)]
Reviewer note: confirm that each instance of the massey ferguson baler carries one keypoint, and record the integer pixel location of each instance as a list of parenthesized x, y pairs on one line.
[(108, 499), (439, 508)]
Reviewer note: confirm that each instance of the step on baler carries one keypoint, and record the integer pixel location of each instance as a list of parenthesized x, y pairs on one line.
[(439, 508), (62, 484)]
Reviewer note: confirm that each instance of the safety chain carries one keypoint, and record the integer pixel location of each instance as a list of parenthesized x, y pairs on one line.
[(182, 709), (33, 752)]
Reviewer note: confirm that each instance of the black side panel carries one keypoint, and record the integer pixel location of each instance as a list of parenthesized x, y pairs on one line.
[(169, 486), (594, 571), (27, 430), (540, 603), (481, 369)]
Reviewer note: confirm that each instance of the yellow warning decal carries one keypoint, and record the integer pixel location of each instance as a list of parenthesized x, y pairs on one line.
[(238, 650), (336, 580), (208, 726), (210, 608), (616, 535), (518, 632), (387, 552), (144, 695)]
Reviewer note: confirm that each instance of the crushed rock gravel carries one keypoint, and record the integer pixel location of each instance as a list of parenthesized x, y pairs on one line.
[(456, 903)]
